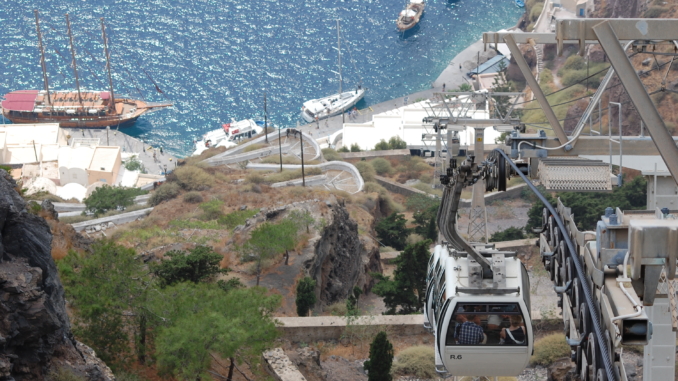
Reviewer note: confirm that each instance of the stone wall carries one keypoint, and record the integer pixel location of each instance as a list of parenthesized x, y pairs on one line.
[(310, 329), (395, 187)]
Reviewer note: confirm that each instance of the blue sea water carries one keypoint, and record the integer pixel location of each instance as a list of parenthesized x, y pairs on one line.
[(215, 59)]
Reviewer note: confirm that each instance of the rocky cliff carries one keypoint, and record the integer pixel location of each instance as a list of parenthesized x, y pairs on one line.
[(35, 334), (342, 260)]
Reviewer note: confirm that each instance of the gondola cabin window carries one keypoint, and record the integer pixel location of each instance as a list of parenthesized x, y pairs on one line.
[(488, 324)]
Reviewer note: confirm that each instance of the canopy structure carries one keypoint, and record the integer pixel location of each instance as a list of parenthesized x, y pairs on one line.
[(408, 13), (416, 1), (22, 100), (105, 95)]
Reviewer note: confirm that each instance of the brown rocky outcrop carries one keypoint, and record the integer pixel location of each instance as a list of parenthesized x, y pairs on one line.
[(342, 260), (618, 8), (561, 370), (35, 334)]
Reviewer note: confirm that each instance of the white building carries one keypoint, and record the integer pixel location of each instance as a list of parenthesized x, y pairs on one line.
[(30, 143), (407, 123)]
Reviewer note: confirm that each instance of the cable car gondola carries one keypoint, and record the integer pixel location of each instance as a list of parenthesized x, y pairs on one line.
[(481, 327)]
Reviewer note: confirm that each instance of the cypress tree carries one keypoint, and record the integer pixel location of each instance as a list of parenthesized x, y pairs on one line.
[(381, 359), (431, 232), (305, 296)]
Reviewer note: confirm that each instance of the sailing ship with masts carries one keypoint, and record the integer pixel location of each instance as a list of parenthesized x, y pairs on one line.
[(334, 104), (74, 108)]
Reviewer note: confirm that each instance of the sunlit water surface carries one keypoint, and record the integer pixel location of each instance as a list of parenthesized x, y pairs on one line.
[(215, 59)]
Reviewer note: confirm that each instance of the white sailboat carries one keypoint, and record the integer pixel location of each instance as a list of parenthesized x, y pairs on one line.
[(334, 104)]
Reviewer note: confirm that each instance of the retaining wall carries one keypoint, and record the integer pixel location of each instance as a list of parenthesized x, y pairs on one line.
[(310, 329), (396, 187), (359, 155), (105, 222)]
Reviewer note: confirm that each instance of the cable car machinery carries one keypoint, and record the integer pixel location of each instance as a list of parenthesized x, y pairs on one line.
[(614, 284)]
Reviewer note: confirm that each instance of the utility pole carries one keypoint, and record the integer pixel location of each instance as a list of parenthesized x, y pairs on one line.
[(42, 59), (280, 149), (266, 120), (301, 138)]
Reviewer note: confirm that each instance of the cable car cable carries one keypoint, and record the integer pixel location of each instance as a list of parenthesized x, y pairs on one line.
[(594, 310)]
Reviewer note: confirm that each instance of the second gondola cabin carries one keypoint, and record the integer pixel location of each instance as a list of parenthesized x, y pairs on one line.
[(482, 327)]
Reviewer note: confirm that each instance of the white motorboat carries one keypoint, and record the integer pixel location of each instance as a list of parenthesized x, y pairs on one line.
[(228, 135), (334, 104)]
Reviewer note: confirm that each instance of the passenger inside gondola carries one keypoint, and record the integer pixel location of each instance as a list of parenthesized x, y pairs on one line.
[(486, 324)]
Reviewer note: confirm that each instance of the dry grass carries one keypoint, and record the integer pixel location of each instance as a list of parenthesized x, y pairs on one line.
[(416, 361), (549, 349), (288, 175)]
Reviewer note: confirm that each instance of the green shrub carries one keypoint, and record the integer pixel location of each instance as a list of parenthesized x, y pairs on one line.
[(6, 168), (331, 155), (416, 361), (337, 309), (211, 209), (193, 197), (536, 11), (382, 146), (371, 186), (236, 218), (366, 171), (426, 178), (134, 164), (343, 149), (509, 234), (355, 147), (396, 143), (549, 349), (381, 166), (64, 374), (164, 192), (574, 62), (193, 178), (545, 77)]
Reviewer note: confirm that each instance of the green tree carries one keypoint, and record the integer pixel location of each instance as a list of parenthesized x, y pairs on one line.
[(197, 321), (107, 198), (108, 291), (465, 87), (267, 240), (381, 359), (134, 164), (199, 264), (355, 147), (588, 207), (305, 296), (408, 287), (231, 284), (382, 146), (352, 301), (397, 143), (508, 234), (423, 219), (391, 231), (343, 149), (431, 230)]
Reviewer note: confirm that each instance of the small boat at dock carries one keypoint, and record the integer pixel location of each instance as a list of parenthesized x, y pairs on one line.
[(228, 135), (410, 16), (520, 3)]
